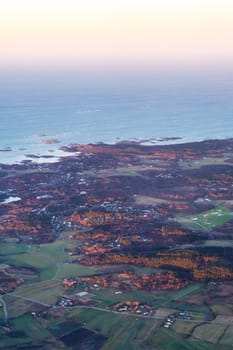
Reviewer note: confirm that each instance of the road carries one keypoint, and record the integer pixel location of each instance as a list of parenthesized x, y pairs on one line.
[(128, 314)]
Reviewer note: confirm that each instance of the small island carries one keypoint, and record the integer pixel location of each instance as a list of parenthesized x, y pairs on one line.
[(5, 149), (50, 142), (119, 245)]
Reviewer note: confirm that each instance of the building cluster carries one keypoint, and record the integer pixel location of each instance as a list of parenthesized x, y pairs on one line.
[(134, 307)]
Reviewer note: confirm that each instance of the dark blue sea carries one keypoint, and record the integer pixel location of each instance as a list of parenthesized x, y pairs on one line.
[(80, 108)]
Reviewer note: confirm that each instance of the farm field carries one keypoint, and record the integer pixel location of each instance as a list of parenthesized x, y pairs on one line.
[(45, 292), (132, 332), (209, 332), (169, 340), (227, 337)]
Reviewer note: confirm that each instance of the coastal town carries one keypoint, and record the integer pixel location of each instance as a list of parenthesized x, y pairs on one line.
[(110, 228)]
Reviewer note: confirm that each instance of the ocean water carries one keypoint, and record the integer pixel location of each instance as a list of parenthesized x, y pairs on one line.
[(74, 108)]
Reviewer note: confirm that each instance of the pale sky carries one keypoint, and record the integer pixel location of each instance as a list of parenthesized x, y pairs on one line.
[(74, 32)]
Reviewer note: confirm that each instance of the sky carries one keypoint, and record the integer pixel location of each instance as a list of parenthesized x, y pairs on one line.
[(107, 32)]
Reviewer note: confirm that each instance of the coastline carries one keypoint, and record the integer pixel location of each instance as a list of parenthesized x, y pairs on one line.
[(55, 155)]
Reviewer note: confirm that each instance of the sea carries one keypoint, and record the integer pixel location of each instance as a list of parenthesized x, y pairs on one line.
[(41, 112)]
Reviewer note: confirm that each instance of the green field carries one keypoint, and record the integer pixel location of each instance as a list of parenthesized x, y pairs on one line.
[(227, 337), (197, 164), (210, 219), (45, 259), (183, 327), (108, 297), (17, 307), (174, 299), (46, 292), (209, 332), (218, 243), (169, 340), (73, 270), (31, 326), (222, 309), (24, 329), (124, 331), (51, 261)]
